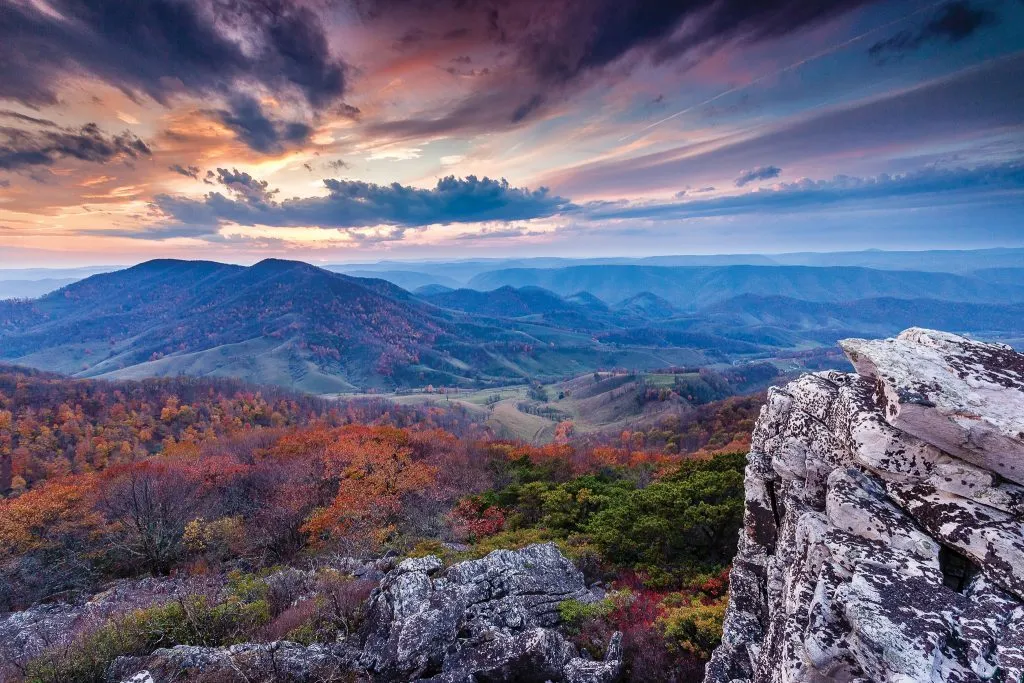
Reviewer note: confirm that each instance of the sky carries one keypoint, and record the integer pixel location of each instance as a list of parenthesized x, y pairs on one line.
[(358, 130)]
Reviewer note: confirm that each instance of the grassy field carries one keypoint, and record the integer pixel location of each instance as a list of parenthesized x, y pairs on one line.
[(592, 401)]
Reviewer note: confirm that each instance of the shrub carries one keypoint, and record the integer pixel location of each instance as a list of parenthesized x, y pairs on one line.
[(510, 540), (695, 629), (575, 613), (195, 619), (337, 610), (292, 624), (688, 519)]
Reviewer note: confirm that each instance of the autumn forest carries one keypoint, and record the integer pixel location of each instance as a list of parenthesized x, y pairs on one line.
[(214, 481)]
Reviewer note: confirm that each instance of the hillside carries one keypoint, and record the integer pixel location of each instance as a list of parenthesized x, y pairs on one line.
[(298, 326), (692, 288), (647, 305), (504, 302), (294, 325), (601, 405)]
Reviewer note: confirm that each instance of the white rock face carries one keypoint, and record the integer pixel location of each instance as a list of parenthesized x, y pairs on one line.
[(883, 536), (964, 396)]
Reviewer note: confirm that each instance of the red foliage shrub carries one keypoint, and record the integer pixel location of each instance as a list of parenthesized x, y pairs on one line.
[(472, 519)]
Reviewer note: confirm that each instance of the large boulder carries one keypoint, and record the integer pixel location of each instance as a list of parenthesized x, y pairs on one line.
[(490, 619), (883, 536)]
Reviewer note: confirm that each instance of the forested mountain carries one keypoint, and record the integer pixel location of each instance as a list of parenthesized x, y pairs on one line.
[(292, 324), (871, 317), (505, 302)]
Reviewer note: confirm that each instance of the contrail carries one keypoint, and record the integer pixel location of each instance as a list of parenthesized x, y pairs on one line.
[(794, 65)]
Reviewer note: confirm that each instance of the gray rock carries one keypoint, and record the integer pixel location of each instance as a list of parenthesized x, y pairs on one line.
[(488, 620), (279, 662), (882, 540)]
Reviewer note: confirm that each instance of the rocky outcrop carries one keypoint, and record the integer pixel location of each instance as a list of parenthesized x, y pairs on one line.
[(27, 633), (484, 620), (491, 619), (883, 536)]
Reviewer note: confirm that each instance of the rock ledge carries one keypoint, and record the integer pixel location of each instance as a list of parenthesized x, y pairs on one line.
[(883, 536)]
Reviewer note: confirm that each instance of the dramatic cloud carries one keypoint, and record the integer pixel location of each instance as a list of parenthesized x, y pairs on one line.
[(353, 204), (556, 44), (760, 173), (260, 132), (187, 171), (164, 48), (246, 188), (954, 22), (21, 148), (24, 118), (977, 101)]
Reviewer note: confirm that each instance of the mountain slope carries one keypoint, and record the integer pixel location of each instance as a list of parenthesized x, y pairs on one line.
[(647, 305), (504, 302), (697, 287), (295, 325), (285, 314)]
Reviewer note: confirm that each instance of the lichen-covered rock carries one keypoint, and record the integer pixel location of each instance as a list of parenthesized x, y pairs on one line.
[(963, 396), (27, 633), (488, 619), (883, 536)]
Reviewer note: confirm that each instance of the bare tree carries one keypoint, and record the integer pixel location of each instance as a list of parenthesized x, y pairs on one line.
[(151, 505)]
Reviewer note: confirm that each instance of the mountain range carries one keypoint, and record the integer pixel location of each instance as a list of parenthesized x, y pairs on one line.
[(696, 287), (296, 325), (292, 324)]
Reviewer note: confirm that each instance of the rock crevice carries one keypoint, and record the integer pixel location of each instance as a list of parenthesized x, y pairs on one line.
[(883, 536)]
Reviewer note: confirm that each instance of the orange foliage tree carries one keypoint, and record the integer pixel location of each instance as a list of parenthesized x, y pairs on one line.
[(374, 468)]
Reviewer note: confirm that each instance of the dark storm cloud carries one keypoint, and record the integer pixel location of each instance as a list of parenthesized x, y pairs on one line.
[(22, 148), (590, 34), (954, 22), (556, 44), (937, 185), (163, 48), (187, 171), (761, 173), (259, 131), (351, 204)]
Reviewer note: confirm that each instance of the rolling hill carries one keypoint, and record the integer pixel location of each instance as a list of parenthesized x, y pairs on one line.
[(295, 325)]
